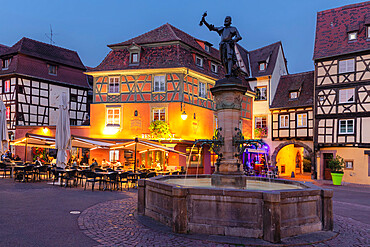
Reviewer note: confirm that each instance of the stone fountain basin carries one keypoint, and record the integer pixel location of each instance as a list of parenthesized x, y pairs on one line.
[(267, 214)]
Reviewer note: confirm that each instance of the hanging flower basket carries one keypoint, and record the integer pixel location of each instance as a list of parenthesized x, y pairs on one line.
[(160, 129), (260, 132)]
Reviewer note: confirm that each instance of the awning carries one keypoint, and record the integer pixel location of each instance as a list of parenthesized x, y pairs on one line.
[(260, 151), (144, 146), (33, 140)]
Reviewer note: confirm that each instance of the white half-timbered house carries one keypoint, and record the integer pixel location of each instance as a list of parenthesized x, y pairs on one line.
[(33, 75), (342, 91), (292, 123)]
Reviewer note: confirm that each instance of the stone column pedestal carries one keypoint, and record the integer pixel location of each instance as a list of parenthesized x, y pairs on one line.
[(228, 93)]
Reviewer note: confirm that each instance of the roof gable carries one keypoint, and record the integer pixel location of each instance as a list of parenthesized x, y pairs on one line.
[(47, 52), (332, 29), (302, 82), (3, 48), (166, 33), (268, 54)]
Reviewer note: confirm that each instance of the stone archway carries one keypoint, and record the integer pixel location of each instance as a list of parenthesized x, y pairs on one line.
[(298, 143)]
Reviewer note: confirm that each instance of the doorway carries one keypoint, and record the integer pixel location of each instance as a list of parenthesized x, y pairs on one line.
[(327, 171)]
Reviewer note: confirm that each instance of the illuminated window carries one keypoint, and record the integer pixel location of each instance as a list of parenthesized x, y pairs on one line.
[(202, 90), (262, 66), (6, 63), (261, 93), (284, 121), (260, 122), (214, 67), (113, 155), (347, 95), (159, 114), (113, 116), (302, 120), (113, 84), (346, 66), (352, 36), (8, 113), (346, 126), (7, 86), (52, 69), (293, 95), (199, 61), (159, 83), (134, 57)]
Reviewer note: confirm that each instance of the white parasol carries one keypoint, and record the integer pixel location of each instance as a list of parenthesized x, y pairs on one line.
[(63, 132), (4, 137)]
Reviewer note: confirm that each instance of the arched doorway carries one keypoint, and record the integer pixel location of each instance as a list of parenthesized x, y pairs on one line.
[(293, 156)]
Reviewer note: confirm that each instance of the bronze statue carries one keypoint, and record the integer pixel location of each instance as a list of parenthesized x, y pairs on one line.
[(229, 36)]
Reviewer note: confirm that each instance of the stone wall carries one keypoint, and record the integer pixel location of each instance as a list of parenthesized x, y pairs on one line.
[(270, 215)]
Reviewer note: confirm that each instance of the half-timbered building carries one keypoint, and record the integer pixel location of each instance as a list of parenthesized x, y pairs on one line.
[(342, 91), (33, 75), (265, 66), (293, 123), (164, 74)]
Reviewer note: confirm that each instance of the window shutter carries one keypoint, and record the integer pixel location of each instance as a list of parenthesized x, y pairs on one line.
[(342, 66), (342, 96), (350, 65)]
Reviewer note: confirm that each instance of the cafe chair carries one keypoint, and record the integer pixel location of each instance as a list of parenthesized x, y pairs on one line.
[(123, 179), (5, 169), (90, 178)]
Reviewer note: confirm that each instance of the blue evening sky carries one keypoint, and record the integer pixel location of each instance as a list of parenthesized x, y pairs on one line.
[(87, 26)]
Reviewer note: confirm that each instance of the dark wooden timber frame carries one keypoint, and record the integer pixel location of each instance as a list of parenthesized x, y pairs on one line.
[(30, 103), (328, 112)]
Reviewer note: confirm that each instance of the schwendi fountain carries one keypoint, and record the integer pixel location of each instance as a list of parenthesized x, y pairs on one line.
[(228, 202)]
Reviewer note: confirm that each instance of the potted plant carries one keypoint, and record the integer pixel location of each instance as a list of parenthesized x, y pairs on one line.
[(336, 166)]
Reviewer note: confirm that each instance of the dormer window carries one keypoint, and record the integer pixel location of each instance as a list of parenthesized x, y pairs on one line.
[(199, 61), (214, 67), (52, 69), (206, 48), (134, 57), (134, 50), (352, 36), (262, 66), (293, 95), (6, 63)]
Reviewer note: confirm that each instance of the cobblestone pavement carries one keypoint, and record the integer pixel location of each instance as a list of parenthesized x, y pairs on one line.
[(113, 223)]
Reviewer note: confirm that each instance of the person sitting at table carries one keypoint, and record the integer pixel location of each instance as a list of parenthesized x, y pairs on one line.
[(94, 164), (38, 161), (17, 158)]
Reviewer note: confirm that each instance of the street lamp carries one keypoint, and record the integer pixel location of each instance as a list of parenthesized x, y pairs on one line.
[(184, 116)]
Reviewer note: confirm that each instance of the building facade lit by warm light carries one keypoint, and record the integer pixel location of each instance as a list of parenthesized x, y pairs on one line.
[(293, 124), (163, 75)]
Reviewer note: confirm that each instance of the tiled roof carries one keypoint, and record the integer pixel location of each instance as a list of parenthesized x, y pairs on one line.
[(266, 54), (47, 52), (287, 83), (332, 27), (244, 55), (166, 33), (162, 55), (3, 48), (26, 56)]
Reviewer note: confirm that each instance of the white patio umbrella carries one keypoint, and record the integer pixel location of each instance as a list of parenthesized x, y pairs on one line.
[(4, 137), (63, 132)]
